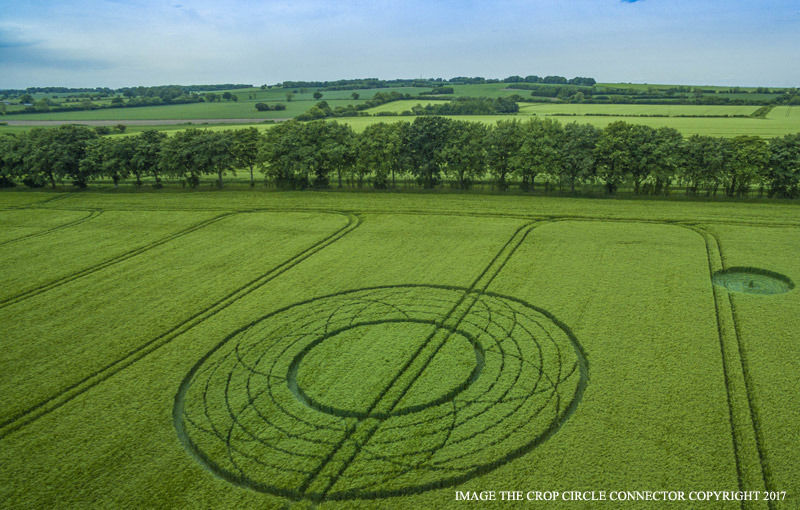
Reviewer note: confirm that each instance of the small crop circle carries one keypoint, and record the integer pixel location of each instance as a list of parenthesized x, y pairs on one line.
[(749, 280), (380, 392)]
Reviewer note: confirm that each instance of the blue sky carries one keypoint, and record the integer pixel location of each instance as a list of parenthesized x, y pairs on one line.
[(117, 43)]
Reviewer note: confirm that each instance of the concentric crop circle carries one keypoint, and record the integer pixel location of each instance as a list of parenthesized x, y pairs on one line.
[(750, 280), (380, 392)]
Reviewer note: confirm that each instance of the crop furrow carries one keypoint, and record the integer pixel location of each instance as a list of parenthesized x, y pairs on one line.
[(92, 215), (50, 404), (107, 263)]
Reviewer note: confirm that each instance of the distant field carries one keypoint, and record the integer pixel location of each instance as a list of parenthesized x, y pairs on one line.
[(364, 94), (487, 90), (781, 120), (783, 113), (384, 350), (633, 109), (222, 110), (401, 106), (664, 86), (725, 127), (244, 108), (776, 124)]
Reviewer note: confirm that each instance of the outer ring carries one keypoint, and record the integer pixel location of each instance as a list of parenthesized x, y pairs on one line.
[(477, 470)]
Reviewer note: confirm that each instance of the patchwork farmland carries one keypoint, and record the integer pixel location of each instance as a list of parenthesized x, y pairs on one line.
[(335, 350)]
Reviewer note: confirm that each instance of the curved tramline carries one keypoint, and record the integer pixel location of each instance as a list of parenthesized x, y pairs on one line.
[(383, 391)]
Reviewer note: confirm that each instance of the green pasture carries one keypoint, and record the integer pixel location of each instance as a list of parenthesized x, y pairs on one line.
[(664, 86), (712, 126), (777, 123), (364, 94), (401, 106), (384, 350), (688, 119), (244, 108), (636, 110), (784, 113), (216, 110), (487, 90), (14, 129)]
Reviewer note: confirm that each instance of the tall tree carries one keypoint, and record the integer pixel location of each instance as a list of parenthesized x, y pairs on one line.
[(503, 146), (464, 154), (614, 157), (784, 168), (668, 158), (282, 151), (577, 153), (213, 154), (750, 159), (121, 158), (10, 160), (334, 150), (146, 154), (245, 148), (539, 152), (54, 154), (177, 157), (194, 152), (424, 143), (642, 145), (705, 160), (380, 152), (94, 160)]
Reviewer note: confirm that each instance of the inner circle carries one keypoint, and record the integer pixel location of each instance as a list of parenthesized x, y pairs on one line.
[(347, 371)]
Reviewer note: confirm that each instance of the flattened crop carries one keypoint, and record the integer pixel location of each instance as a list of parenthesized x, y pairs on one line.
[(269, 409)]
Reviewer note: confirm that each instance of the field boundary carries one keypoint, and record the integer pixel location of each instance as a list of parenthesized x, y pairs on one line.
[(48, 405), (433, 212)]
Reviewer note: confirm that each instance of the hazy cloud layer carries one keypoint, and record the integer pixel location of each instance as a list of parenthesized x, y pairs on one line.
[(130, 42)]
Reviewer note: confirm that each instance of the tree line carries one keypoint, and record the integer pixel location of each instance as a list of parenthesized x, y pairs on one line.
[(158, 96), (374, 83), (530, 154), (577, 93), (455, 106)]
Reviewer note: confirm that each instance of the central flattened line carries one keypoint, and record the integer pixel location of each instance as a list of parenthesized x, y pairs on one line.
[(322, 479)]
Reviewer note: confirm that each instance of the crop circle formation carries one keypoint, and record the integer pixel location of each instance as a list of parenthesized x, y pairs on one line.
[(380, 392), (750, 280)]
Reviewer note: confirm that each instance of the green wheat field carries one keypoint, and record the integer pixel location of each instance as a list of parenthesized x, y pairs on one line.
[(386, 350)]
